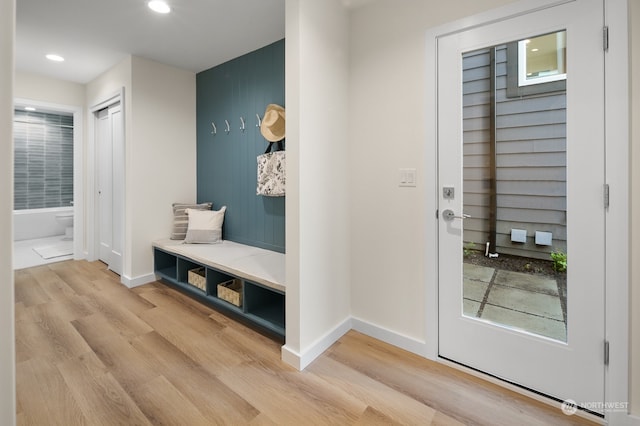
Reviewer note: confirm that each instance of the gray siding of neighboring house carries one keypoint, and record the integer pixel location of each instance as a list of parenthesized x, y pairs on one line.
[(530, 160)]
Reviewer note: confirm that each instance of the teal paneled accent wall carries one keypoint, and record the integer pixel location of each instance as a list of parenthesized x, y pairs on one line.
[(226, 163)]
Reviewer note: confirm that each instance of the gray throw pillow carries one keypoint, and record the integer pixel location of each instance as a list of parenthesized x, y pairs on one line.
[(181, 220)]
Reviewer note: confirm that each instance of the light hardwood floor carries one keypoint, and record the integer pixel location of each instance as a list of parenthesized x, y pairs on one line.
[(91, 352)]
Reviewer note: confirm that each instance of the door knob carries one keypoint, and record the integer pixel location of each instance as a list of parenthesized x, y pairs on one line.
[(448, 215)]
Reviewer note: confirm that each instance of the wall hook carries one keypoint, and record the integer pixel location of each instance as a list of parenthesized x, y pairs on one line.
[(214, 128), (259, 121), (242, 124), (228, 129)]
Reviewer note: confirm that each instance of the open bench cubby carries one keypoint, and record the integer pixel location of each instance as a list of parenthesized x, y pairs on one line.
[(262, 304)]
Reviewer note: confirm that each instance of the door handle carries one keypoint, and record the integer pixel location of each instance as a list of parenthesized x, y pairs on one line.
[(449, 215)]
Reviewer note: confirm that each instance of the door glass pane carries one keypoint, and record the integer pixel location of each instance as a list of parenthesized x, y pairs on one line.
[(514, 189)]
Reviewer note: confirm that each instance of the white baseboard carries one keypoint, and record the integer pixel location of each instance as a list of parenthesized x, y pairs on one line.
[(291, 357), (137, 281), (391, 337), (79, 255), (301, 360), (624, 419)]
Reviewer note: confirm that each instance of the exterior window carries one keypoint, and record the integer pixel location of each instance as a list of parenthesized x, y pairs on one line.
[(542, 59), (537, 65)]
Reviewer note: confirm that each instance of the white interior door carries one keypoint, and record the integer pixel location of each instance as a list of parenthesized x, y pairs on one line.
[(117, 187), (110, 161), (528, 171), (105, 171)]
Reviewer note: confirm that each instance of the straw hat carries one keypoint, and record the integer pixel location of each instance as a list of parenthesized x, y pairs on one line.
[(272, 127)]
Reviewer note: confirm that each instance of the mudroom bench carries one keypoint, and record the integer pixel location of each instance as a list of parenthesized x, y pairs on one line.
[(242, 281)]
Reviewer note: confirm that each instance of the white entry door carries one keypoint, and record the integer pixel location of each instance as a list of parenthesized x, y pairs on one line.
[(110, 161), (521, 179)]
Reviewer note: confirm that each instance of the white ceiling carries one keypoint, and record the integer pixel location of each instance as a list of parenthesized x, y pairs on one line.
[(94, 35)]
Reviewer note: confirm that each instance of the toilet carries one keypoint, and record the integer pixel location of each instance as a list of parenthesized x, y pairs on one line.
[(66, 220)]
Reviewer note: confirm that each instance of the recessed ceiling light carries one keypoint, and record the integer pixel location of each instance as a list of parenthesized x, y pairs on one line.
[(55, 58), (29, 109), (534, 50), (159, 6)]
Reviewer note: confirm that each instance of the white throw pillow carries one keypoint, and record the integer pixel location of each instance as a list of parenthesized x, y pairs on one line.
[(205, 226)]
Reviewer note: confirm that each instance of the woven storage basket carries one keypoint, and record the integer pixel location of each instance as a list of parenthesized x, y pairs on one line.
[(196, 277), (231, 291)]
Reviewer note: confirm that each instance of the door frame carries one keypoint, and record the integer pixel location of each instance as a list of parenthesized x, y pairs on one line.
[(78, 167), (617, 173), (93, 228)]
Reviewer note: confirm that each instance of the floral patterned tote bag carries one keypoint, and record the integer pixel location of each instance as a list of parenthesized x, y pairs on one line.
[(271, 171)]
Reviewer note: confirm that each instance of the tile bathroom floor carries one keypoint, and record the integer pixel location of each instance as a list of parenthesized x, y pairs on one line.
[(531, 303), (24, 255)]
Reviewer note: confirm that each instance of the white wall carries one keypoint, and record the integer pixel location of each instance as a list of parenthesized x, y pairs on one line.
[(49, 90), (386, 133), (109, 83), (292, 205), (7, 341), (634, 14), (160, 163), (318, 240)]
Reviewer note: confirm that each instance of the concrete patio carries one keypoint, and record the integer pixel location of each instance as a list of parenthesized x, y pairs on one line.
[(521, 301)]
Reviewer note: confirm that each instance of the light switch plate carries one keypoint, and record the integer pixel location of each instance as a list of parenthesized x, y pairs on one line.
[(407, 177)]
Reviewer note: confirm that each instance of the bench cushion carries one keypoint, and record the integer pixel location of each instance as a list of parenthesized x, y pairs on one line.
[(257, 265)]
